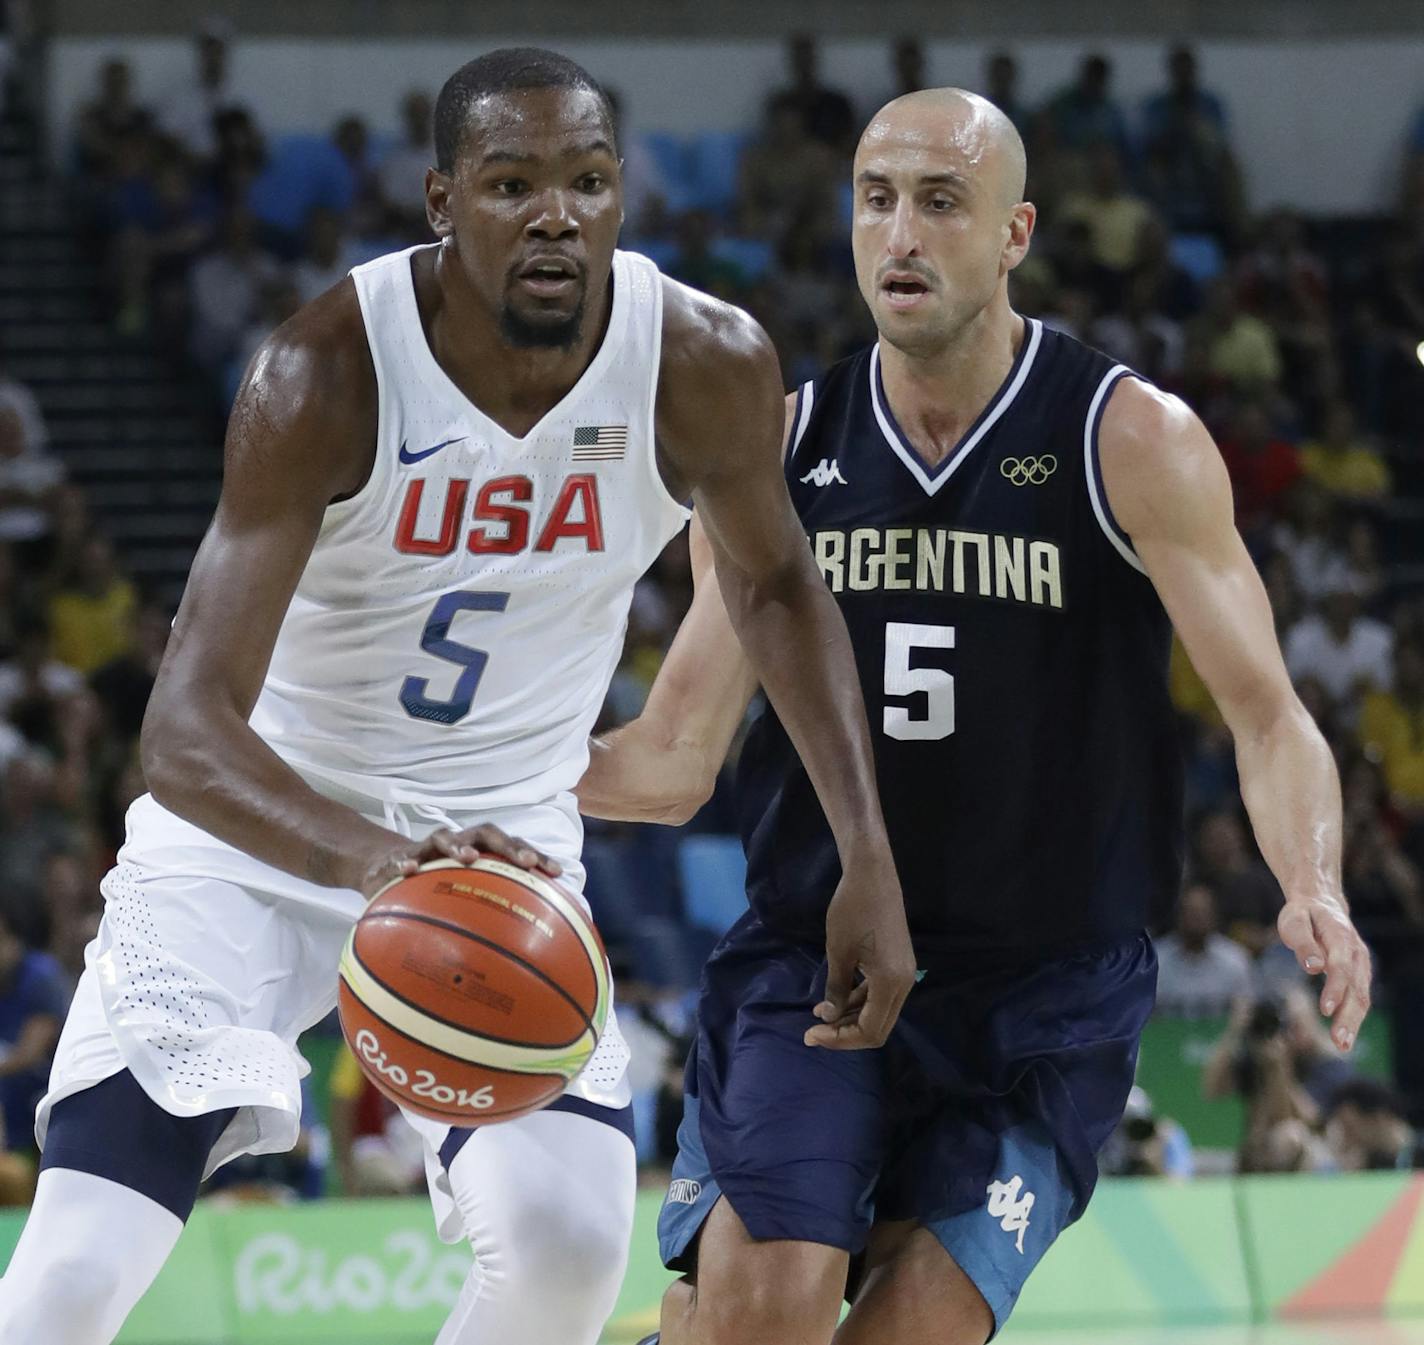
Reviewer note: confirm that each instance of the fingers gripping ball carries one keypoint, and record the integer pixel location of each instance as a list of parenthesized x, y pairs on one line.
[(473, 994)]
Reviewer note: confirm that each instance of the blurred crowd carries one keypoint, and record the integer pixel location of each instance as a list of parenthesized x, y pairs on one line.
[(1298, 346)]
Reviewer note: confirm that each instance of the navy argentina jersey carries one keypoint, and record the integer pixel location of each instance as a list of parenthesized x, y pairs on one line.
[(1013, 658)]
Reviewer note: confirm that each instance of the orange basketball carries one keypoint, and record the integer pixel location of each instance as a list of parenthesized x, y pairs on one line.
[(473, 994)]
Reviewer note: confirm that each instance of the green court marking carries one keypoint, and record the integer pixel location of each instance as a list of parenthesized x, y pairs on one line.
[(1300, 1226)]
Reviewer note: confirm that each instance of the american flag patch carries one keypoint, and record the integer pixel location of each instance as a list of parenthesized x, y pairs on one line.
[(600, 443)]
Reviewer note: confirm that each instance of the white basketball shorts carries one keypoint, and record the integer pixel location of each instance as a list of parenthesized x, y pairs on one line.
[(209, 964)]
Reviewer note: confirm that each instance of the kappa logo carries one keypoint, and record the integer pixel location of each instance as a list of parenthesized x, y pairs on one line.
[(684, 1192), (1028, 471), (823, 473), (1006, 1205)]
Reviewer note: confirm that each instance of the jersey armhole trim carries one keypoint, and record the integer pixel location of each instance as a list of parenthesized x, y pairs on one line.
[(805, 400), (337, 510), (683, 507), (1093, 469)]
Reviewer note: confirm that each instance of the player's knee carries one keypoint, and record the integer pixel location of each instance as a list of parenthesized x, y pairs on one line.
[(71, 1292), (569, 1242), (766, 1310)]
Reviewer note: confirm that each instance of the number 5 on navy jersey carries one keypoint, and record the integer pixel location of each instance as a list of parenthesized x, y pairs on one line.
[(435, 640)]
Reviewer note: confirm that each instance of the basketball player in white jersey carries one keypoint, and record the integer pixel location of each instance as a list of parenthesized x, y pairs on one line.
[(443, 479)]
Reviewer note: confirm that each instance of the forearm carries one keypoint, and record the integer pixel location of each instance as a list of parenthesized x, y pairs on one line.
[(209, 767), (796, 640), (637, 775), (1292, 793)]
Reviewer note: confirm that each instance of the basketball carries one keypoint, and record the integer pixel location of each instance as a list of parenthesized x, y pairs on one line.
[(473, 994)]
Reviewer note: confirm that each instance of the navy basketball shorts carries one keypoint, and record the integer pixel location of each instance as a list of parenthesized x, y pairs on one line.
[(981, 1118)]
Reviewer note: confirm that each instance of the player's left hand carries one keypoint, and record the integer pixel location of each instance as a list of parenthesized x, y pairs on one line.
[(866, 934), (1318, 930)]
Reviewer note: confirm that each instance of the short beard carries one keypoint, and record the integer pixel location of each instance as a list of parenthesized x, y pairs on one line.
[(526, 335)]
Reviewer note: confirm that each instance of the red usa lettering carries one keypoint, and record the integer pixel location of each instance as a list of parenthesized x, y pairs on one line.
[(501, 517), (425, 1085)]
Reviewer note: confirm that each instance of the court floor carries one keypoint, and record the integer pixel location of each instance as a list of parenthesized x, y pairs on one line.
[(1322, 1333)]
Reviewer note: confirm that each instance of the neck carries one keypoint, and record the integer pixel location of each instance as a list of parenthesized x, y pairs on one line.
[(937, 397), (514, 385)]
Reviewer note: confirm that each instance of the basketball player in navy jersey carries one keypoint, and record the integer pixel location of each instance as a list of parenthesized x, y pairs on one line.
[(1011, 525), (392, 648)]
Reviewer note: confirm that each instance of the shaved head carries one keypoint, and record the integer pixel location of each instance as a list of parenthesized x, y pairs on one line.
[(940, 218), (961, 124)]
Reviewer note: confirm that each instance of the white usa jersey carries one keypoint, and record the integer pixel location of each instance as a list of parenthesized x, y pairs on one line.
[(454, 632)]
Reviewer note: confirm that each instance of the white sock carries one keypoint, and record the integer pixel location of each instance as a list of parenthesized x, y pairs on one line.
[(89, 1250), (547, 1204)]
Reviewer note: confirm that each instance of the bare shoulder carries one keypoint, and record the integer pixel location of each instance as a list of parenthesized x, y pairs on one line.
[(705, 336), (309, 397), (1160, 464), (719, 388)]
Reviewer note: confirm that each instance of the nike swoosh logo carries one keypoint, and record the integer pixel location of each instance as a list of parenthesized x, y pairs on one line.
[(407, 456)]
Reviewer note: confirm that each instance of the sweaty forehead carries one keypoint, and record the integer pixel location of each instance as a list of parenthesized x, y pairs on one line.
[(945, 137), (534, 123)]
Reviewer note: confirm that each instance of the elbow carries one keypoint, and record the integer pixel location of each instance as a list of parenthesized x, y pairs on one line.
[(688, 803), (168, 757)]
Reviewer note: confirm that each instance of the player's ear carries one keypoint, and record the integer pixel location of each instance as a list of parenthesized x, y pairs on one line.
[(1019, 233), (438, 187)]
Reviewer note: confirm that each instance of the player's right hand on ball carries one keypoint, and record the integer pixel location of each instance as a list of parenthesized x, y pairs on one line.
[(462, 846), (866, 935)]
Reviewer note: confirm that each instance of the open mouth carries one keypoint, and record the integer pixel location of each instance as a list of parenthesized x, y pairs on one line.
[(902, 290), (549, 277)]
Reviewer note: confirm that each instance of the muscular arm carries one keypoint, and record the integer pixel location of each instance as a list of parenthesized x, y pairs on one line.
[(720, 422), (663, 766), (301, 435), (1168, 488)]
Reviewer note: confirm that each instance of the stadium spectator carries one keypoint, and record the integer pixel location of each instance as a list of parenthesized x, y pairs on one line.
[(1190, 172), (1307, 536), (400, 172), (1275, 1058), (69, 893), (785, 175), (1348, 653), (1083, 116), (1263, 466), (827, 115), (34, 672), (108, 118), (1241, 349), (1201, 971), (33, 1002), (190, 111), (1384, 890), (1114, 215), (361, 195), (1366, 1128), (122, 685), (1391, 728), (1157, 283), (329, 255), (32, 826), (226, 286), (92, 615), (908, 64), (1343, 461), (29, 476), (1142, 338), (1248, 898), (1147, 1145), (1001, 87)]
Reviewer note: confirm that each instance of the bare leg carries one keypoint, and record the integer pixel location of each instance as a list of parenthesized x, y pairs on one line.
[(755, 1293)]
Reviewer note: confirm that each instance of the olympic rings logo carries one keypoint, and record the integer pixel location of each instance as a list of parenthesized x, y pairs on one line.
[(1028, 471)]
